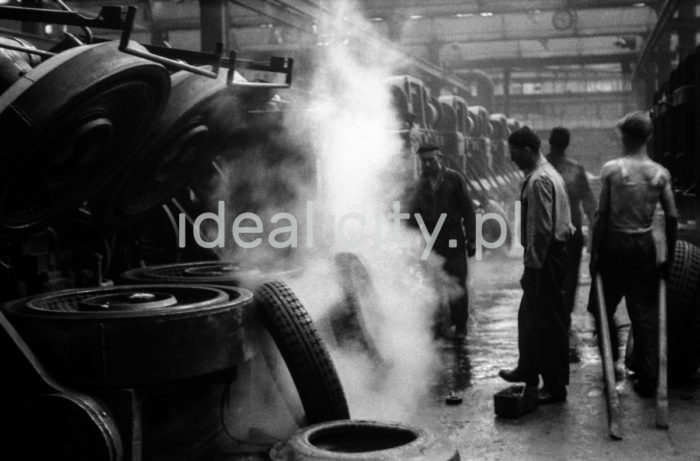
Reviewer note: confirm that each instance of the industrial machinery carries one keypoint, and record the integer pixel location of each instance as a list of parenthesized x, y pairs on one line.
[(101, 140), (675, 145)]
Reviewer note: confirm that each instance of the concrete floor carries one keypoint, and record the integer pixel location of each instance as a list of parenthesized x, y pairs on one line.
[(575, 430)]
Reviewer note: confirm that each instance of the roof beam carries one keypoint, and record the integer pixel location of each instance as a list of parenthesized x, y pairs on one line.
[(412, 41), (436, 8), (589, 97), (314, 11), (279, 13), (466, 65)]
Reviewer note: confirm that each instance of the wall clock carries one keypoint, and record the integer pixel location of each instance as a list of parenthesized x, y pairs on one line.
[(563, 19)]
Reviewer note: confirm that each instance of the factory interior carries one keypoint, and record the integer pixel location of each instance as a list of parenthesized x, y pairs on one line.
[(212, 245)]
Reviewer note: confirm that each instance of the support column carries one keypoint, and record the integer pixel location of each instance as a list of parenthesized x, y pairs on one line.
[(214, 24), (32, 27), (159, 35), (686, 35), (506, 91), (395, 24), (433, 48), (663, 59)]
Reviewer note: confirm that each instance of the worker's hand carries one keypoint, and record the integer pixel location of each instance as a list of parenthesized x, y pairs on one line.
[(531, 280), (665, 268), (471, 248), (593, 264)]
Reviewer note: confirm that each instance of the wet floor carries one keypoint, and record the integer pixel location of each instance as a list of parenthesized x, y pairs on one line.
[(574, 430)]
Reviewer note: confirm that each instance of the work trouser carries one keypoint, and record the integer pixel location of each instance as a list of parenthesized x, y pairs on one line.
[(627, 265), (574, 248), (543, 343), (455, 266)]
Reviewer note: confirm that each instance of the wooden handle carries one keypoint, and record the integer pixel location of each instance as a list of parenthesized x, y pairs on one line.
[(662, 382), (613, 401)]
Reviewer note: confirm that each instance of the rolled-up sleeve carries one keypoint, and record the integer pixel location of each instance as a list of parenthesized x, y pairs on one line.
[(539, 222)]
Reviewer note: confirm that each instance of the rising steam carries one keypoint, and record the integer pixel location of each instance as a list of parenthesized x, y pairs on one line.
[(347, 131), (356, 154)]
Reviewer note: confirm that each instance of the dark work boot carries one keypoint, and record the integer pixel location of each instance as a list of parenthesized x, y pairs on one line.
[(645, 389), (517, 376), (551, 395)]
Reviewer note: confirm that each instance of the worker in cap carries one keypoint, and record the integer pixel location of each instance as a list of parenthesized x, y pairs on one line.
[(624, 251), (443, 191)]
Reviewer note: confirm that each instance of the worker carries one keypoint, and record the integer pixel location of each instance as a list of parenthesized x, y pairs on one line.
[(580, 196), (623, 246), (441, 190), (545, 230)]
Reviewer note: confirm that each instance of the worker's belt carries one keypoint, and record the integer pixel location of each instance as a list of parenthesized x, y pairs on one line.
[(636, 231)]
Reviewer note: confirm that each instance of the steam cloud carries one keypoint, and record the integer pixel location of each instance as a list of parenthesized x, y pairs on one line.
[(345, 156)]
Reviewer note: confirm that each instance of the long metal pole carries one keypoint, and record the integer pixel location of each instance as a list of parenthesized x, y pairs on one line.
[(662, 382), (612, 398)]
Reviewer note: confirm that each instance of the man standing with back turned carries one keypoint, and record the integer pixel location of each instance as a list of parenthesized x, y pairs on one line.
[(623, 247), (579, 193), (545, 229)]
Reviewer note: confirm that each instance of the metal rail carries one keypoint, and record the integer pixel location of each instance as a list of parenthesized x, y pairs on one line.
[(120, 18)]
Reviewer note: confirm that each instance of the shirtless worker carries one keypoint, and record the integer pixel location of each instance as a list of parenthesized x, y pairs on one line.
[(580, 197), (623, 248)]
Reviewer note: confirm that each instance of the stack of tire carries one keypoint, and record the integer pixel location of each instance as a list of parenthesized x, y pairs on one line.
[(684, 313), (92, 370), (72, 138), (332, 434), (284, 317)]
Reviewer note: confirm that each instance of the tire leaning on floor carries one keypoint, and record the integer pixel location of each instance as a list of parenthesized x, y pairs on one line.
[(303, 351), (684, 312), (352, 319), (363, 441)]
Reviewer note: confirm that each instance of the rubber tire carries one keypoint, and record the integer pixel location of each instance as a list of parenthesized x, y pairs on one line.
[(128, 348), (348, 323), (683, 278), (684, 312), (384, 441), (65, 426), (303, 351), (248, 276)]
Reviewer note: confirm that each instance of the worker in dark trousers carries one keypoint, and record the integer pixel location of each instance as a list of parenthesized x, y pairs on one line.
[(545, 230), (623, 248), (442, 190), (580, 196)]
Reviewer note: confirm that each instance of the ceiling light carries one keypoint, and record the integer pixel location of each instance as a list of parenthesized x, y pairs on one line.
[(486, 13), (376, 19), (639, 5), (464, 15), (416, 16)]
